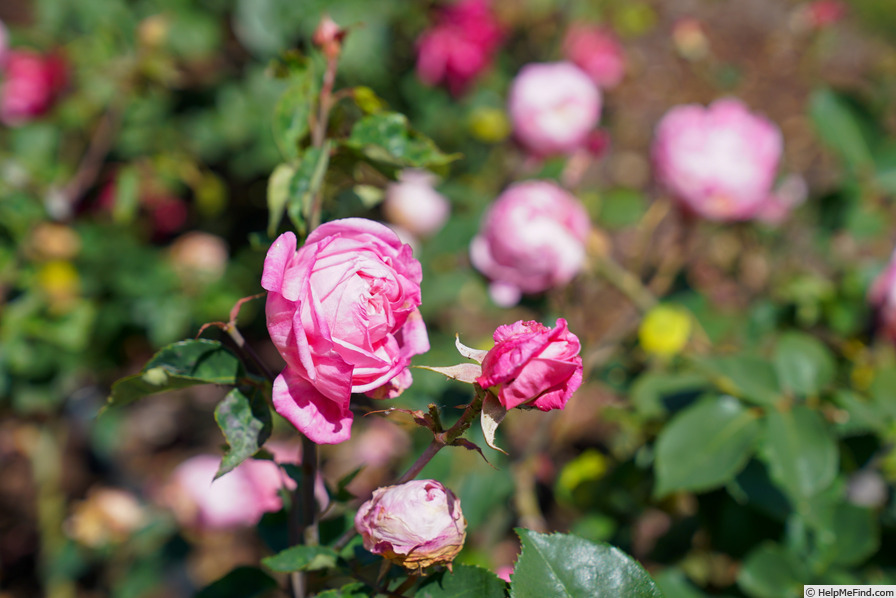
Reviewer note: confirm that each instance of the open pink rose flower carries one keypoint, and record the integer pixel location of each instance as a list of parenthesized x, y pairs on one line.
[(532, 239), (413, 203), (882, 296), (532, 364), (342, 311), (718, 162), (29, 86), (416, 524), (596, 51), (553, 107)]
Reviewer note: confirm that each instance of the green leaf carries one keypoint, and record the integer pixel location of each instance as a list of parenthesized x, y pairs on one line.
[(387, 138), (352, 590), (292, 112), (242, 582), (127, 194), (466, 581), (804, 365), (278, 195), (246, 424), (306, 182), (839, 129), (651, 390), (301, 558), (800, 450), (770, 571), (564, 565), (852, 535), (746, 376), (705, 445), (674, 584), (179, 365)]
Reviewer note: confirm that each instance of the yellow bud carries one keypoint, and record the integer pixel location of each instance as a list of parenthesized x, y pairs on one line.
[(489, 125), (59, 280), (665, 330)]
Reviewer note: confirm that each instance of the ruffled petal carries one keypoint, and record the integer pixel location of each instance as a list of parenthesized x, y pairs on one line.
[(318, 417), (276, 261)]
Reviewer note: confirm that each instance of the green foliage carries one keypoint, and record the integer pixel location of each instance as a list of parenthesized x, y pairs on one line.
[(387, 140), (465, 581), (301, 558), (242, 582), (246, 424)]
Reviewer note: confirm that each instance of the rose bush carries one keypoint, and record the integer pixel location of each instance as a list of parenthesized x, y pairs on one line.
[(416, 524), (532, 364), (342, 312), (532, 239)]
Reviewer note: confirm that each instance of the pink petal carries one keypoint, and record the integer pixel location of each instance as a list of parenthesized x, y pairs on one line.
[(318, 417)]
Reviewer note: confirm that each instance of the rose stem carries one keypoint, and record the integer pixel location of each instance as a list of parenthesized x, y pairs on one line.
[(626, 282), (318, 134)]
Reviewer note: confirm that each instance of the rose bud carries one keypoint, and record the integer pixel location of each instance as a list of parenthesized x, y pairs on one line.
[(531, 239), (717, 162), (553, 107), (596, 51), (532, 364), (342, 312), (413, 204), (30, 84), (328, 37), (415, 525), (882, 297)]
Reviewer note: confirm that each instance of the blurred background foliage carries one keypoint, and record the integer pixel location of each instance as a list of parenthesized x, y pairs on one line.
[(755, 456)]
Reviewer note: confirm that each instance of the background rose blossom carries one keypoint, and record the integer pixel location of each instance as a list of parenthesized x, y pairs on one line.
[(342, 311), (532, 364), (532, 239), (30, 84), (882, 295), (553, 107), (596, 51), (415, 524), (413, 204), (718, 162)]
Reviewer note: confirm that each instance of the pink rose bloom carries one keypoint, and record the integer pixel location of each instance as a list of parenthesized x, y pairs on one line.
[(718, 162), (413, 204), (596, 51), (553, 107), (883, 297), (824, 13), (532, 364), (415, 525), (504, 572), (459, 46), (30, 84), (532, 239), (342, 311), (238, 498)]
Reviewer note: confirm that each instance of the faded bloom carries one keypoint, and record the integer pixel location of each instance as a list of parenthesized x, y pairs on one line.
[(199, 255), (531, 239), (459, 46), (690, 39), (413, 203), (532, 364), (553, 107), (328, 37), (105, 516), (342, 312), (416, 524), (30, 84), (883, 297), (596, 51), (718, 162)]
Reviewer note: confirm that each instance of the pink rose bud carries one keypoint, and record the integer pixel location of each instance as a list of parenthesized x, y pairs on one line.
[(238, 498), (717, 162), (883, 297), (342, 312), (532, 239), (553, 107), (415, 525), (413, 204), (459, 46), (30, 84), (532, 364), (596, 51), (328, 37)]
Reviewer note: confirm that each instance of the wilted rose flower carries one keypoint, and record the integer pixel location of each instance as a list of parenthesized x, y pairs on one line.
[(415, 525), (199, 256), (883, 297), (553, 107), (105, 516), (342, 311), (718, 162), (459, 46), (531, 239), (532, 364), (238, 498), (596, 51), (30, 84), (413, 204)]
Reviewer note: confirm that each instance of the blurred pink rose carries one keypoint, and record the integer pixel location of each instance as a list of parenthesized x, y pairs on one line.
[(553, 107), (459, 46), (30, 84), (504, 572), (531, 239), (882, 296), (342, 311), (824, 13), (415, 525), (596, 51), (718, 162), (413, 204), (238, 498), (532, 364)]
